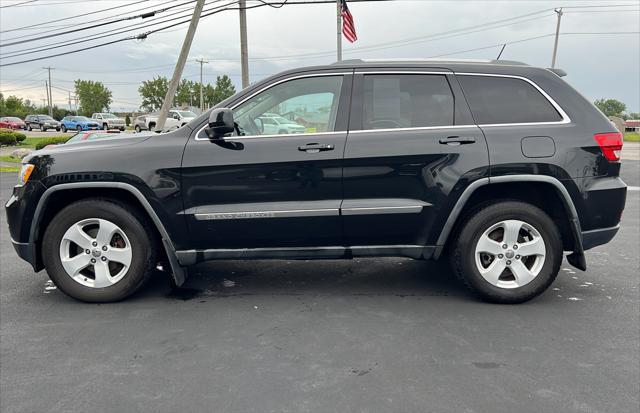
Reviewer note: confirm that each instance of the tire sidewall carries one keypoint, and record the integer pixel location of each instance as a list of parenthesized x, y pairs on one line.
[(478, 224), (134, 231)]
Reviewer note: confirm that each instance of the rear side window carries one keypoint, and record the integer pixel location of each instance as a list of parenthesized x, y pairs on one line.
[(496, 100), (406, 101)]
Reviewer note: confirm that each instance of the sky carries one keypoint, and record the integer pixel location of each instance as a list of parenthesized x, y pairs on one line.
[(599, 47)]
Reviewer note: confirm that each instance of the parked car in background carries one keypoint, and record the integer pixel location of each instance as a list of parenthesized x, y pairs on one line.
[(42, 122), (78, 123), (274, 124), (87, 136), (109, 121), (140, 122), (11, 122), (175, 119)]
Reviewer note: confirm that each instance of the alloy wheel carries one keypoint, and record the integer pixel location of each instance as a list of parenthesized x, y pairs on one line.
[(95, 252), (510, 254)]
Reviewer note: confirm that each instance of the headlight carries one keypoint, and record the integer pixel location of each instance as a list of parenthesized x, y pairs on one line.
[(25, 173)]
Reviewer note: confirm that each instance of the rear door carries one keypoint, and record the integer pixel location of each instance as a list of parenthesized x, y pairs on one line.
[(266, 188), (411, 142)]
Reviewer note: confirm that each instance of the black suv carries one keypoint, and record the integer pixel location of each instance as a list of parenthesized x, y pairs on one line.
[(499, 165), (42, 122)]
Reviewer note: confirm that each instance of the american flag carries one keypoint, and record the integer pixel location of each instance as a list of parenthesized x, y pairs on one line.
[(348, 27)]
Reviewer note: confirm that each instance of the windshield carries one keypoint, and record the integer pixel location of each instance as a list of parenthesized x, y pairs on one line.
[(82, 119), (108, 116), (13, 119), (187, 114), (46, 117)]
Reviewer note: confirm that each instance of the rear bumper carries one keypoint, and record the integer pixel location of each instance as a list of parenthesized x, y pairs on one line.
[(598, 236)]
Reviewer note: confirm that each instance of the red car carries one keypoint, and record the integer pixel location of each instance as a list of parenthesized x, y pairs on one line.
[(11, 122)]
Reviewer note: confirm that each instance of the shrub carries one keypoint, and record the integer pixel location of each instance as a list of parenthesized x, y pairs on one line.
[(52, 141), (19, 136), (8, 137)]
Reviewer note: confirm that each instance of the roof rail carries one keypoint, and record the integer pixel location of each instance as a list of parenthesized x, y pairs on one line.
[(419, 60)]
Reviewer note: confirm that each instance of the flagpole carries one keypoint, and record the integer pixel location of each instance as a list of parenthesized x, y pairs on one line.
[(339, 26)]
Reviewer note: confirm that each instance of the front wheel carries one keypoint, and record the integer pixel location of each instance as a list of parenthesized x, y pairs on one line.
[(79, 128), (99, 251), (138, 129), (105, 127), (64, 128), (42, 128), (507, 252)]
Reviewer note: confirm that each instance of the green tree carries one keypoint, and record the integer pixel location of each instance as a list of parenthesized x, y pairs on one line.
[(185, 94), (93, 96), (224, 89), (634, 115), (611, 107), (153, 92), (15, 106)]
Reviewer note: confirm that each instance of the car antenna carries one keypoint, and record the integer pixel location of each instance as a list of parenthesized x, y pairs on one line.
[(501, 50)]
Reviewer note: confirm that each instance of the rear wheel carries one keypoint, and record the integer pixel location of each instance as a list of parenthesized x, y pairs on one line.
[(29, 128), (64, 128), (152, 126), (42, 128), (138, 129), (79, 128), (105, 126), (99, 251), (507, 252)]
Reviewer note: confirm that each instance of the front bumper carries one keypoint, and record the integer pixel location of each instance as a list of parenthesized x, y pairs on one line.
[(20, 210)]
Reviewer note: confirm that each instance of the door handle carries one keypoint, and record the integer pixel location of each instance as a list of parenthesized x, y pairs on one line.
[(457, 140), (315, 148)]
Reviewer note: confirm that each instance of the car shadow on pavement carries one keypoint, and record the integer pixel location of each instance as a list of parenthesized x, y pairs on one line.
[(359, 277)]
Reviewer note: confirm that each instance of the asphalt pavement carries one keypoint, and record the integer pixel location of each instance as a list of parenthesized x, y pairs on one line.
[(368, 335)]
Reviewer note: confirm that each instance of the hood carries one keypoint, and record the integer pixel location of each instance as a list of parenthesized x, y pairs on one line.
[(98, 144)]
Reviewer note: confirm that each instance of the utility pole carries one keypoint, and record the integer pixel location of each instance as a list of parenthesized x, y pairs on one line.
[(46, 89), (202, 62), (50, 95), (177, 72), (244, 52), (70, 108), (555, 44), (339, 26)]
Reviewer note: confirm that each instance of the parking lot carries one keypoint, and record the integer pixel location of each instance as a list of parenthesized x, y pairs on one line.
[(368, 335)]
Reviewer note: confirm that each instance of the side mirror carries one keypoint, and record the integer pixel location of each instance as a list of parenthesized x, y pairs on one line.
[(259, 125), (220, 123)]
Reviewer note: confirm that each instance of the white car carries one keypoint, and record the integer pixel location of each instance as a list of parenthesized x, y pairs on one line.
[(109, 121), (176, 119), (273, 124)]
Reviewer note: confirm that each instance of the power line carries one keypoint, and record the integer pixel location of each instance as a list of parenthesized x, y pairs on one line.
[(75, 16), (142, 15), (17, 4)]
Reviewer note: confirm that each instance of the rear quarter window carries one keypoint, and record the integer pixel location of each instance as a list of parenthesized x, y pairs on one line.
[(504, 100)]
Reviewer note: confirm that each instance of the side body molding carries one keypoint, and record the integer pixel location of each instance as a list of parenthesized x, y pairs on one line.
[(576, 258), (177, 271)]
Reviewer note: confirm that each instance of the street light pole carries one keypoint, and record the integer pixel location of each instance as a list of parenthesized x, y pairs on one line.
[(177, 72)]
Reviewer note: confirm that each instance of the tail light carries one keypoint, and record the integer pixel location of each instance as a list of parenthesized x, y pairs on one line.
[(610, 144)]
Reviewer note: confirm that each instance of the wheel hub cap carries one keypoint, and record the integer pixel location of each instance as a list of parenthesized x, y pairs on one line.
[(510, 254), (95, 252)]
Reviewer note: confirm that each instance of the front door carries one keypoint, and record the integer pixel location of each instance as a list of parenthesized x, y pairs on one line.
[(266, 187), (411, 141)]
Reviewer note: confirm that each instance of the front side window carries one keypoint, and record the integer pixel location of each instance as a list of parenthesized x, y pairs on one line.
[(504, 100), (407, 101), (309, 104)]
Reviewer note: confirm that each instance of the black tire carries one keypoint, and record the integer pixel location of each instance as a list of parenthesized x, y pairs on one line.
[(42, 128), (79, 128), (282, 132), (29, 128), (64, 129), (477, 222), (57, 129), (135, 226), (138, 129), (152, 126), (105, 126), (122, 129)]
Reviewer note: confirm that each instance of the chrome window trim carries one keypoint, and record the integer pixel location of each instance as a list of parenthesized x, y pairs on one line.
[(563, 114), (269, 86), (417, 128)]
